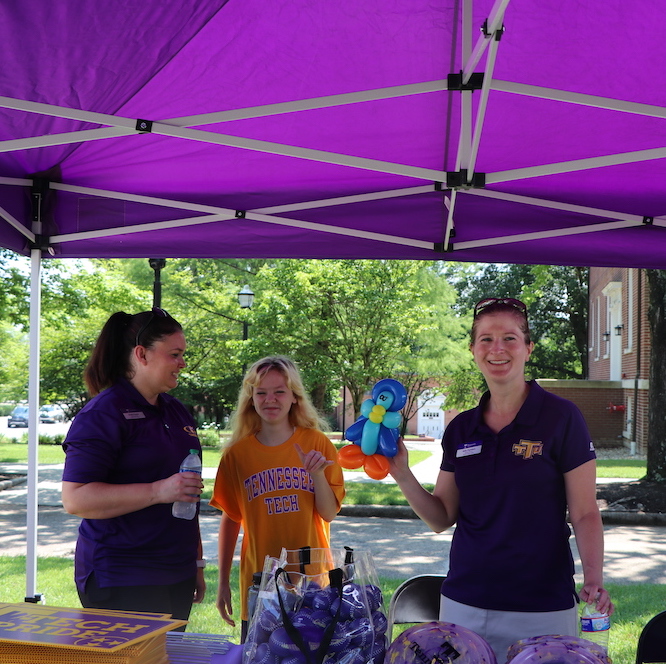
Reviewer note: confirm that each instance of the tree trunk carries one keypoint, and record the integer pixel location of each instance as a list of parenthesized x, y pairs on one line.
[(318, 397), (656, 446)]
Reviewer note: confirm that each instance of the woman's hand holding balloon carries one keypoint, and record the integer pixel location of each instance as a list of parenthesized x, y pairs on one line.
[(399, 463)]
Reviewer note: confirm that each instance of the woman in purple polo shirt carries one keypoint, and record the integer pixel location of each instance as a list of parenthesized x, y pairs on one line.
[(123, 454), (512, 468)]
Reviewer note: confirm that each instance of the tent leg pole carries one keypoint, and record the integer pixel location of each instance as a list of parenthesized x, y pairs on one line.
[(33, 429)]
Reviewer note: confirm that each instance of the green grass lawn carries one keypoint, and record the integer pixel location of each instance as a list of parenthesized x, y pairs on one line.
[(18, 453), (631, 469), (358, 493), (51, 454), (635, 604)]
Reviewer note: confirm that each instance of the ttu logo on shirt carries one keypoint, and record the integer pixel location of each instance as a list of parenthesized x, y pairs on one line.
[(527, 449)]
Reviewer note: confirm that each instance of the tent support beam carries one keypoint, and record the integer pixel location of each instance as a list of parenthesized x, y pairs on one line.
[(214, 214), (620, 221), (31, 594), (493, 24), (346, 200), (207, 219), (633, 219), (483, 104), (211, 209), (542, 235), (121, 126), (266, 110), (594, 101), (16, 224), (576, 165)]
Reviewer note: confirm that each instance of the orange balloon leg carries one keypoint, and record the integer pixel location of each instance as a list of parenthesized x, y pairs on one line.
[(351, 456), (376, 466)]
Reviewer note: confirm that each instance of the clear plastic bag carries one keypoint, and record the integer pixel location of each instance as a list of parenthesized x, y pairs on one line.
[(315, 606)]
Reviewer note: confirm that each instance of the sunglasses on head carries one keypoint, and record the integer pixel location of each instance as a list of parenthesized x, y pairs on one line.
[(492, 301), (154, 312)]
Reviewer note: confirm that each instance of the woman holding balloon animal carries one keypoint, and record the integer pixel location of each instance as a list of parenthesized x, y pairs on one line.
[(512, 468), (278, 477)]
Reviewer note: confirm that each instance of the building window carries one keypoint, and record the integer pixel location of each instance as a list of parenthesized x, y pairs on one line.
[(628, 332), (597, 331)]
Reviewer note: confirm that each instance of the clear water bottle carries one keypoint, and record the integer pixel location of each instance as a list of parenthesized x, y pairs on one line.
[(191, 464), (594, 626), (253, 595)]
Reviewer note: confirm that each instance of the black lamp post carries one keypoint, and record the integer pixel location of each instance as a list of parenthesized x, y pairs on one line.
[(245, 299), (157, 264)]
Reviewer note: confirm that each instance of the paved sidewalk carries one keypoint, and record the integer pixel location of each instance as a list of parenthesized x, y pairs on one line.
[(401, 547)]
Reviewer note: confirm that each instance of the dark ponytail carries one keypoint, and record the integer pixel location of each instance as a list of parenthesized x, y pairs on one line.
[(110, 359)]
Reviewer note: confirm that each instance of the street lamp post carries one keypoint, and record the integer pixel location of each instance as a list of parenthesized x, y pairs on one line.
[(245, 299), (157, 264)]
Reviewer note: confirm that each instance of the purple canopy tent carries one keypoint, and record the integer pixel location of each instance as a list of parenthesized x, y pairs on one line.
[(515, 131)]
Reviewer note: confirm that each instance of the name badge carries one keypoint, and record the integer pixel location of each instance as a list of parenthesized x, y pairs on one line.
[(468, 449), (134, 415)]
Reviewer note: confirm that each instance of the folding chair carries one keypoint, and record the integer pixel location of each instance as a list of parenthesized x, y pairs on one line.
[(652, 641), (415, 601)]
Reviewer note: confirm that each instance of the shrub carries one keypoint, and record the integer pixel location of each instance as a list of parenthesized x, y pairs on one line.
[(209, 438), (57, 439)]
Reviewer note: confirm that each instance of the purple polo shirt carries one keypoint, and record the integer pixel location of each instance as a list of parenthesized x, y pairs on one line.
[(510, 549), (119, 438)]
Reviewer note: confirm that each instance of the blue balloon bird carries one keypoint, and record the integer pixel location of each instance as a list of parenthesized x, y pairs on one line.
[(376, 430)]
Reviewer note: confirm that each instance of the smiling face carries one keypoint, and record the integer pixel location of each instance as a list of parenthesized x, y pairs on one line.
[(157, 367), (272, 399), (499, 347)]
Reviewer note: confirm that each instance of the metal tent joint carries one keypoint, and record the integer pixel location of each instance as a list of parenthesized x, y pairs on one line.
[(42, 242), (443, 247), (144, 126), (455, 82), (39, 188), (497, 35), (461, 180), (240, 214), (648, 221)]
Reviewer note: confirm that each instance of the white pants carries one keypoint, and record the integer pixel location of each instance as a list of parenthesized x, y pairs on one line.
[(501, 629)]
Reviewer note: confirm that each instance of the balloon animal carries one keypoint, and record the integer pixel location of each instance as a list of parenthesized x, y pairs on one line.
[(375, 433)]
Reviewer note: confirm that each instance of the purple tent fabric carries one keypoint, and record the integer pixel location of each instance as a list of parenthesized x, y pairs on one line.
[(310, 129)]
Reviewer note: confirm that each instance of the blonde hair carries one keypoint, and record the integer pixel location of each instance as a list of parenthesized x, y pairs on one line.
[(246, 420)]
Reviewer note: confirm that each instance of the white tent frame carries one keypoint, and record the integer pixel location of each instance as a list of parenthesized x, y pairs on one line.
[(184, 128), (468, 147)]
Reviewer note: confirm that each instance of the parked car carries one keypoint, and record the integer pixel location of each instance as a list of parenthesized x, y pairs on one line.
[(19, 417), (51, 413)]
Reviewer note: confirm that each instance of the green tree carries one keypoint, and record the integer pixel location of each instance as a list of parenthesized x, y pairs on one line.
[(354, 322), (556, 298), (14, 299), (79, 296), (203, 296), (345, 321), (13, 363), (440, 351)]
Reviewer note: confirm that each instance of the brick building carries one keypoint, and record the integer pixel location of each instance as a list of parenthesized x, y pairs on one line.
[(614, 400)]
